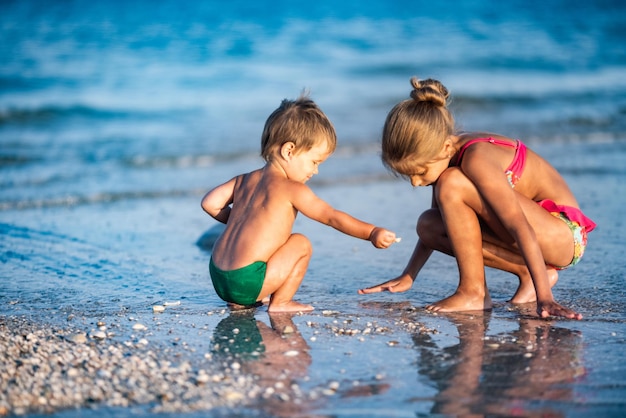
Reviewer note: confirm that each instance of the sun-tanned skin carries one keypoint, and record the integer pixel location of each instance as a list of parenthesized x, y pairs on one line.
[(259, 210), (481, 220)]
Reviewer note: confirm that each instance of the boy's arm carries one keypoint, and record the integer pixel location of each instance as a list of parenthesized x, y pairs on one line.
[(311, 206), (217, 201)]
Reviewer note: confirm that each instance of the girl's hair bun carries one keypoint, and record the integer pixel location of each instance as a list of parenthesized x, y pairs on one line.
[(429, 90)]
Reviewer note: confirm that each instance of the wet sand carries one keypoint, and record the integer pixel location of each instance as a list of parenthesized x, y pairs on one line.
[(80, 336)]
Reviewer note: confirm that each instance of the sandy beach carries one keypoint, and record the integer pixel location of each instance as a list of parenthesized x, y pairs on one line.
[(113, 353)]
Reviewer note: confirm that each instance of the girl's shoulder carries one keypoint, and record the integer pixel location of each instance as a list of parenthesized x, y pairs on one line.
[(471, 136)]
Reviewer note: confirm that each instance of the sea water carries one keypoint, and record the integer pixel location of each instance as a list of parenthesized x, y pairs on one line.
[(102, 101), (115, 118)]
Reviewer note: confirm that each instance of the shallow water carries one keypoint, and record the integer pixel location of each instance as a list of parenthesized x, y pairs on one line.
[(111, 262), (115, 119)]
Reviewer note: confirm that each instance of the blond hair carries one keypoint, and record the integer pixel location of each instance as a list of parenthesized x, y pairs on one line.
[(299, 121), (416, 128)]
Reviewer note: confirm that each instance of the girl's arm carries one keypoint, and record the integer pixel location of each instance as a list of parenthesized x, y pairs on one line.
[(311, 206), (217, 201), (405, 281)]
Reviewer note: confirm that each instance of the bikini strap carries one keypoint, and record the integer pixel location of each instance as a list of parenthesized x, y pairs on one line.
[(490, 140)]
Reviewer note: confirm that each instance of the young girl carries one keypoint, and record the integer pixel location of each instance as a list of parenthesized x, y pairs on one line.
[(257, 256), (495, 203)]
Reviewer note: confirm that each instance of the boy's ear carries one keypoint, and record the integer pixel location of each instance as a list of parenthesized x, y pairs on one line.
[(287, 150)]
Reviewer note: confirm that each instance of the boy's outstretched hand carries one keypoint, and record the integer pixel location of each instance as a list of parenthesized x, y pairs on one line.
[(382, 238)]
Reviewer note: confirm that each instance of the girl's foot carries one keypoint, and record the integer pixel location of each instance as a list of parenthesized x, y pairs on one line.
[(461, 302), (525, 293)]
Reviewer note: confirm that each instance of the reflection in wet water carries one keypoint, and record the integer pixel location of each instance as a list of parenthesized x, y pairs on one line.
[(277, 356), (511, 373)]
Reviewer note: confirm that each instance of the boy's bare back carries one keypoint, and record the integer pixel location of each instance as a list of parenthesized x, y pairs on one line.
[(261, 218)]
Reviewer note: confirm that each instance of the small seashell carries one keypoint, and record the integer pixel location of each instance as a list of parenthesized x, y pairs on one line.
[(288, 329), (98, 335), (202, 378), (291, 353), (398, 239), (139, 327), (79, 338), (158, 308)]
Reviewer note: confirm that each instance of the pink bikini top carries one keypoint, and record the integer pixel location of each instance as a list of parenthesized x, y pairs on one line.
[(514, 173), (515, 169)]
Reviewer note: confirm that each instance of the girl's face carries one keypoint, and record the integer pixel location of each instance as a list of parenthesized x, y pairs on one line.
[(426, 174)]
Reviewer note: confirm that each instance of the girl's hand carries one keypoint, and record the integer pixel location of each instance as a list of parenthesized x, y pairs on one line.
[(382, 238), (400, 284), (546, 309)]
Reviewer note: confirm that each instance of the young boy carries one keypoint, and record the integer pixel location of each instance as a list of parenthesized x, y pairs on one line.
[(257, 255)]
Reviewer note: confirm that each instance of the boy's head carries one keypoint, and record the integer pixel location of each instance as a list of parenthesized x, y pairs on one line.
[(299, 121)]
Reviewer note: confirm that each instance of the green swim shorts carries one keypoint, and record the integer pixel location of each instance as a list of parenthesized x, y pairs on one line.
[(241, 286)]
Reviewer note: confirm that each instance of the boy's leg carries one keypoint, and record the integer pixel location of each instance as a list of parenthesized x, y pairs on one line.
[(284, 274)]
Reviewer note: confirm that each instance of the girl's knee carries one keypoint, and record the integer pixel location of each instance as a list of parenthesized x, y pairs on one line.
[(430, 226), (451, 184)]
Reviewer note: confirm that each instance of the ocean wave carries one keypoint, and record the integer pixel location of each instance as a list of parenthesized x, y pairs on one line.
[(107, 197), (46, 113), (93, 199)]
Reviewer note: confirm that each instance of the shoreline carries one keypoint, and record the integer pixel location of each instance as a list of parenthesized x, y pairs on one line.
[(250, 362)]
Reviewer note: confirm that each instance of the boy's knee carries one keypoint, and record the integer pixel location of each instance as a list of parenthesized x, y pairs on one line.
[(302, 243)]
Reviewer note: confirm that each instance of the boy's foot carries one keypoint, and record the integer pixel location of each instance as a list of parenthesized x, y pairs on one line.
[(237, 307), (525, 293), (291, 306)]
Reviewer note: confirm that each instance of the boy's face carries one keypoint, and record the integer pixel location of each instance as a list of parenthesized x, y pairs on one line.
[(303, 165)]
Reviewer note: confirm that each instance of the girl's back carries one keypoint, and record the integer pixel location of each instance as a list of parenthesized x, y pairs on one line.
[(539, 180)]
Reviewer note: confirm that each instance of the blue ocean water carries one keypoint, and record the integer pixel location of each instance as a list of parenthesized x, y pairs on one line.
[(110, 100)]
